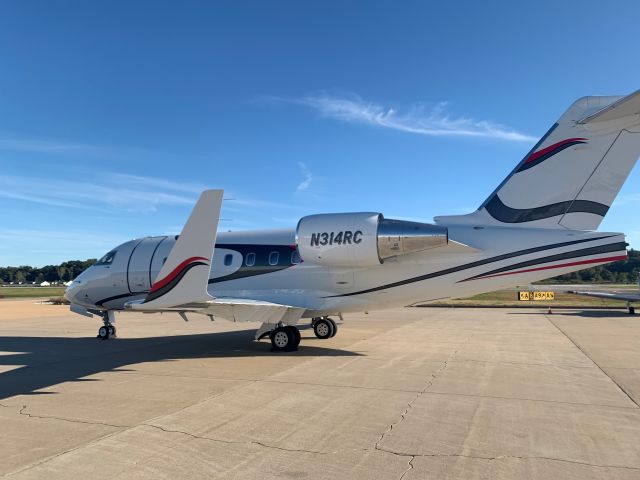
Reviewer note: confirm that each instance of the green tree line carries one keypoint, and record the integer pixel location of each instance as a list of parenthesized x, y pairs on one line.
[(618, 272), (626, 271), (51, 273)]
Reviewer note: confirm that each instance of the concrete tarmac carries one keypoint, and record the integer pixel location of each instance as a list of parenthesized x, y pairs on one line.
[(413, 393)]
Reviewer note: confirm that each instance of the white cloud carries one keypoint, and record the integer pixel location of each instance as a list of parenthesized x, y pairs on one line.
[(116, 193), (418, 119), (308, 177), (46, 146)]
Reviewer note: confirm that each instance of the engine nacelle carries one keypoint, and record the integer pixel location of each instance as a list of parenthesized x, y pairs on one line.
[(362, 239)]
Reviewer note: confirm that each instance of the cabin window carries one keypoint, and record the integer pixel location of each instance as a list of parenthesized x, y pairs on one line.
[(295, 257), (250, 260), (228, 260), (107, 259), (273, 258)]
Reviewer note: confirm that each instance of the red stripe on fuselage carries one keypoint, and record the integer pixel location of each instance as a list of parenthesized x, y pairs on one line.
[(549, 267), (175, 272), (534, 156)]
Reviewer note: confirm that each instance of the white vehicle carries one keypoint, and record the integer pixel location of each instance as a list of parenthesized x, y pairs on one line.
[(537, 224), (629, 297)]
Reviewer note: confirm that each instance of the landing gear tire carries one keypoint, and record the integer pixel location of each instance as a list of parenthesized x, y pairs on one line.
[(112, 331), (296, 334), (632, 310), (103, 332), (334, 325), (284, 339), (324, 328)]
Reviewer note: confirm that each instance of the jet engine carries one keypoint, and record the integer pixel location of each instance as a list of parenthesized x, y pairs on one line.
[(362, 239)]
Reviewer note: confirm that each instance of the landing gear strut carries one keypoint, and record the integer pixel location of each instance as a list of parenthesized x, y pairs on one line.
[(324, 327), (285, 339), (108, 329), (632, 309)]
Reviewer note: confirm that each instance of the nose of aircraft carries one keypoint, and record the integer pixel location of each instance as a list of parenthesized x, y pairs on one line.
[(71, 291)]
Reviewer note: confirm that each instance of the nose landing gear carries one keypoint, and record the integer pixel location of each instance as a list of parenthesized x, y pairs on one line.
[(108, 329)]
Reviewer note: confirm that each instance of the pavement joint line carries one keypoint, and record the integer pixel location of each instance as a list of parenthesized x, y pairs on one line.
[(594, 362), (356, 387), (524, 364), (531, 400), (502, 457)]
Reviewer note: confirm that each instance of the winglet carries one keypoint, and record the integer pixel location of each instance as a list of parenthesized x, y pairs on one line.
[(185, 275)]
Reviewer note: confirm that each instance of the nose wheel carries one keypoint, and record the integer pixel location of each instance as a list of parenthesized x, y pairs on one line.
[(108, 329)]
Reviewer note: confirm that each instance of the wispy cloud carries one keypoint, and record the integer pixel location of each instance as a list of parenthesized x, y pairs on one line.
[(418, 119), (114, 192), (308, 177), (39, 145)]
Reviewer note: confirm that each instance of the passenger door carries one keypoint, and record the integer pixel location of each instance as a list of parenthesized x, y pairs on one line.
[(139, 269)]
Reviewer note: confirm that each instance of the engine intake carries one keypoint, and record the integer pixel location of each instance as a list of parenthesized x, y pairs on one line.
[(363, 239)]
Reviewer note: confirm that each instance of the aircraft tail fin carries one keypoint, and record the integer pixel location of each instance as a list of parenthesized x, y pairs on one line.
[(571, 177), (184, 277)]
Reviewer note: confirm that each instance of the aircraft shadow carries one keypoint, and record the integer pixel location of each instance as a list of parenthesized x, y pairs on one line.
[(47, 361)]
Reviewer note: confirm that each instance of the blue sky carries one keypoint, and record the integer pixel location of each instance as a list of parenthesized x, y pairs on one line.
[(114, 115)]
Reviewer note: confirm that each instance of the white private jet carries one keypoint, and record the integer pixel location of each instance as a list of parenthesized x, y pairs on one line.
[(629, 297), (537, 224)]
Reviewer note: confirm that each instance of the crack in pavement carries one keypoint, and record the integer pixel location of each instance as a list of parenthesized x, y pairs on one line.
[(628, 395), (70, 420), (410, 456), (409, 406), (235, 442), (409, 467)]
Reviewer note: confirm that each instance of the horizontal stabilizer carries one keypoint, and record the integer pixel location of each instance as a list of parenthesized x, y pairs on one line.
[(625, 107), (457, 247)]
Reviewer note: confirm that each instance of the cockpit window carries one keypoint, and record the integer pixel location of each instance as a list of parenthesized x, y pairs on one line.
[(107, 259)]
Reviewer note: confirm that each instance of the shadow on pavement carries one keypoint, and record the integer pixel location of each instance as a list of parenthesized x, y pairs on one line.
[(46, 361)]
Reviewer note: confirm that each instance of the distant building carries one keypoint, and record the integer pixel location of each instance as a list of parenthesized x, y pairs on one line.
[(45, 284)]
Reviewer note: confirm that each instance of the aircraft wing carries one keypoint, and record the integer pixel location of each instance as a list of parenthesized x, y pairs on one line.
[(233, 309), (625, 297)]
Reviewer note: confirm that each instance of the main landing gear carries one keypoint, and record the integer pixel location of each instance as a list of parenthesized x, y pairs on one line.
[(285, 338), (324, 327), (108, 329)]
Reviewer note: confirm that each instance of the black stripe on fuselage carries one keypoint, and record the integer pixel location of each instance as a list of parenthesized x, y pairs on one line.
[(498, 210), (261, 265), (100, 303), (585, 252), (467, 266)]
